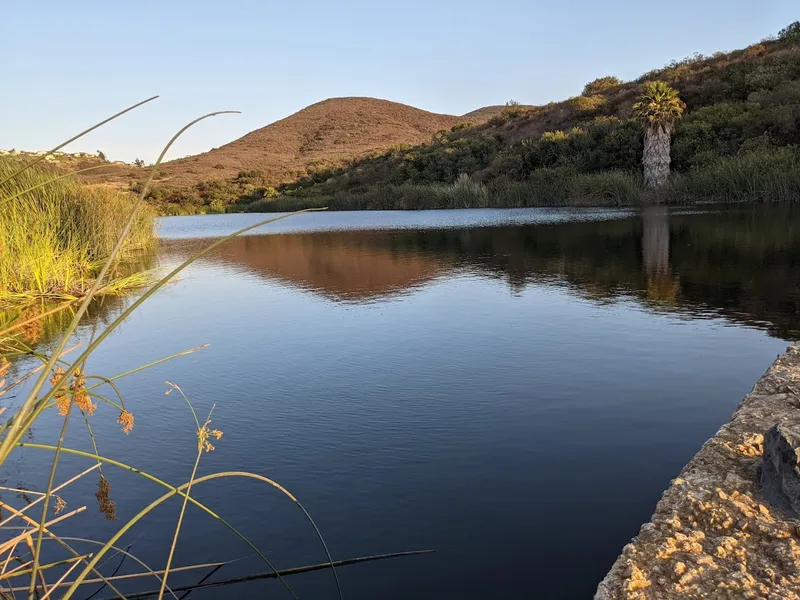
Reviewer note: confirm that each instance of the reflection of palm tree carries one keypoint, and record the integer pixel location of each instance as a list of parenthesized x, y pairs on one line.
[(655, 240), (661, 285)]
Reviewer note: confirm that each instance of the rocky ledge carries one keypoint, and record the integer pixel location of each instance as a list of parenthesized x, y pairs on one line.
[(716, 533)]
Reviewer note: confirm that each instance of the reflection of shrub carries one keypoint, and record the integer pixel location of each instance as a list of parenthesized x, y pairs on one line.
[(601, 84), (587, 103)]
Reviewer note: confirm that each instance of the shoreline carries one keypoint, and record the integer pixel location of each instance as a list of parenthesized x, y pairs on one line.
[(712, 534)]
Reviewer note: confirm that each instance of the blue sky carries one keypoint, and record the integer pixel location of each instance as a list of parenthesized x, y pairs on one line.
[(68, 64)]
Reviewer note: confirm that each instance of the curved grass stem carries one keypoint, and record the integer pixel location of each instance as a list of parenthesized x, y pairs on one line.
[(164, 484), (28, 406), (75, 137), (46, 504)]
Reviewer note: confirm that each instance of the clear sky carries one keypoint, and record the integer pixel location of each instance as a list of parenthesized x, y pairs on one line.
[(65, 65)]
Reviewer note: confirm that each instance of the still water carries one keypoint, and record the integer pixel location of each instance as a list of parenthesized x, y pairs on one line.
[(513, 389)]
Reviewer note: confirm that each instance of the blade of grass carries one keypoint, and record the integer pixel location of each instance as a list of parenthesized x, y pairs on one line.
[(189, 488), (282, 572), (163, 483), (48, 182), (149, 572), (16, 430), (14, 437), (33, 575), (42, 494), (62, 578), (46, 504), (23, 570), (63, 543), (185, 501), (157, 502), (49, 524), (148, 365)]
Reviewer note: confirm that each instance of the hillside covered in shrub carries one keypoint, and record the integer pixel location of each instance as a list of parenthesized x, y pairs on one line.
[(738, 140)]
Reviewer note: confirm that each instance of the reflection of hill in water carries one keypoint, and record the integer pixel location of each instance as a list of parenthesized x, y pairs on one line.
[(350, 266), (743, 265)]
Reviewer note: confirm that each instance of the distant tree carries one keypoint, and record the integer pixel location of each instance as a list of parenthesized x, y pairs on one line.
[(512, 102), (100, 155), (790, 34), (138, 162), (600, 84), (658, 109)]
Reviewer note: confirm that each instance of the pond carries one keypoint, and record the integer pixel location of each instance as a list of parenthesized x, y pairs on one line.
[(513, 389)]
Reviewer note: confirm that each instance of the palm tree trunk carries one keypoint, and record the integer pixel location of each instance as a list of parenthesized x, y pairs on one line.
[(656, 157)]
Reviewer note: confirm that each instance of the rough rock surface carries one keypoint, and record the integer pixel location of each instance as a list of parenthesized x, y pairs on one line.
[(713, 534), (780, 473)]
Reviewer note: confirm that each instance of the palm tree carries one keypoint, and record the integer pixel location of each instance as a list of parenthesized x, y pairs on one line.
[(658, 108)]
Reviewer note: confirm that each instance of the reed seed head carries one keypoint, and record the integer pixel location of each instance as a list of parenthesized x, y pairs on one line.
[(61, 398), (103, 494), (125, 420), (60, 505), (203, 435), (79, 394)]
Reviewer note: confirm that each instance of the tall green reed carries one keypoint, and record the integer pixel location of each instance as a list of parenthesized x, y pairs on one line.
[(55, 236)]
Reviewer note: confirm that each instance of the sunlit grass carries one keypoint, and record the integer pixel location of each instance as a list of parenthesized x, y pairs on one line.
[(55, 238)]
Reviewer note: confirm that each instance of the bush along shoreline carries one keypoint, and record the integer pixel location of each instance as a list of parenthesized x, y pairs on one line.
[(721, 128), (762, 176)]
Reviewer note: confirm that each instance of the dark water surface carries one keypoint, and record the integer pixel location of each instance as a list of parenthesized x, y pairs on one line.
[(513, 389)]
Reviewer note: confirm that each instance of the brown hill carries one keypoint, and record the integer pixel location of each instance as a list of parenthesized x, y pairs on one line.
[(325, 134)]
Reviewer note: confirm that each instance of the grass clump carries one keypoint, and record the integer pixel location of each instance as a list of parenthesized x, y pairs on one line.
[(54, 239), (563, 186), (761, 175)]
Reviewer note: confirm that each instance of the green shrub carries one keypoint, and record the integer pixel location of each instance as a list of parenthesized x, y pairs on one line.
[(459, 127), (600, 85), (588, 103), (216, 207)]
